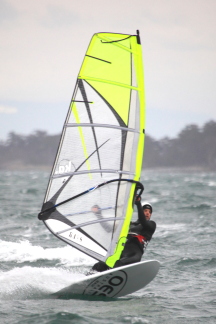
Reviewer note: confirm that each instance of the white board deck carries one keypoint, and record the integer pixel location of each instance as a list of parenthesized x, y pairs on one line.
[(113, 283)]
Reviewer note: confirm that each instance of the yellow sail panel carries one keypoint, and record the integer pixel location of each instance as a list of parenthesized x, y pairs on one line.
[(121, 106), (107, 67)]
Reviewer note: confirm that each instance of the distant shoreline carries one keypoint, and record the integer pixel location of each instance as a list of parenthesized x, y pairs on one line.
[(193, 150), (192, 169), (18, 166)]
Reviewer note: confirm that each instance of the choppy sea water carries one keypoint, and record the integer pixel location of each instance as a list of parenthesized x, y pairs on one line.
[(34, 264)]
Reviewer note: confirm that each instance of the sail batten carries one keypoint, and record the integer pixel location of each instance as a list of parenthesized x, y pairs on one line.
[(101, 125), (91, 223), (123, 85), (92, 171), (117, 43), (89, 199), (100, 59)]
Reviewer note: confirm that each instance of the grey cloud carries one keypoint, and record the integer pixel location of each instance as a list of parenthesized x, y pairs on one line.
[(7, 12)]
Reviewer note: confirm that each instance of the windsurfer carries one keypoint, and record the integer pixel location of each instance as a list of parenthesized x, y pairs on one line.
[(139, 235)]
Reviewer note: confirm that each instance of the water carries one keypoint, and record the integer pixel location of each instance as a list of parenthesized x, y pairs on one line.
[(34, 264)]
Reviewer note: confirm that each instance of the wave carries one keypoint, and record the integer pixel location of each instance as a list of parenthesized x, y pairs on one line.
[(191, 261), (24, 251), (201, 206), (211, 262), (212, 183), (37, 272), (164, 230), (31, 282)]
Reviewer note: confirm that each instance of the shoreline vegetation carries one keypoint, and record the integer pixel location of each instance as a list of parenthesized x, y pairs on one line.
[(193, 150), (48, 169)]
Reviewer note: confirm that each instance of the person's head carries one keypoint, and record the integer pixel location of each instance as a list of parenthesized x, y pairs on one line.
[(147, 211)]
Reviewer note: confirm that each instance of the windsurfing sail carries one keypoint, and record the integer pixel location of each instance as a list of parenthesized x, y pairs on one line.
[(89, 198)]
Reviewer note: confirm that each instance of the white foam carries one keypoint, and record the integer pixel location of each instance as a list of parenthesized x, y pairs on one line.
[(212, 184), (24, 251), (175, 227), (30, 282), (164, 230)]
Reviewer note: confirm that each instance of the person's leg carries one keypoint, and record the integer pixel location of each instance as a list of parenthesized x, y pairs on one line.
[(100, 266), (97, 267), (131, 254)]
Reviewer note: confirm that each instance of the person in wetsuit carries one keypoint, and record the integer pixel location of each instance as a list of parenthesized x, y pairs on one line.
[(139, 235)]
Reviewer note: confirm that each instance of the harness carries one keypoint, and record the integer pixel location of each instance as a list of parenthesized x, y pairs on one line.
[(141, 239)]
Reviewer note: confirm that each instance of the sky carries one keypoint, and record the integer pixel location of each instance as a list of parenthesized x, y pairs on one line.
[(42, 45)]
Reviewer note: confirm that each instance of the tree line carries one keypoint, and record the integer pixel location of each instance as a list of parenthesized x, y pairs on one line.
[(193, 147), (37, 149)]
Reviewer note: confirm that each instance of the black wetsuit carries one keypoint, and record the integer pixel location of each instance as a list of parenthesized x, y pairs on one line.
[(139, 235)]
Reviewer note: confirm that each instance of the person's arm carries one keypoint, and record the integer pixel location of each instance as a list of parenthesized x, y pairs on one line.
[(135, 223), (97, 211), (137, 201)]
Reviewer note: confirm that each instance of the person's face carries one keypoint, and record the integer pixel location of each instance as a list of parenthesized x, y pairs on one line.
[(147, 213)]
